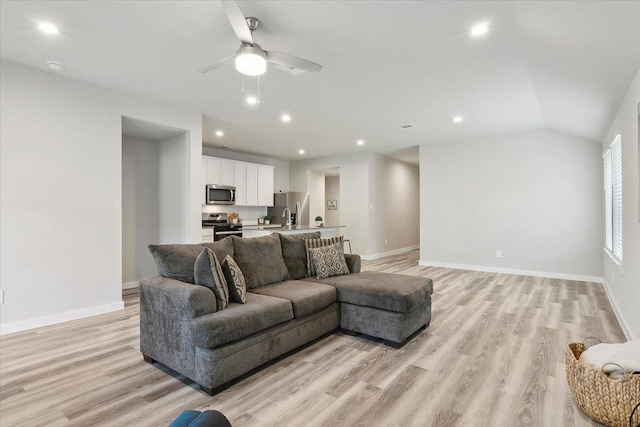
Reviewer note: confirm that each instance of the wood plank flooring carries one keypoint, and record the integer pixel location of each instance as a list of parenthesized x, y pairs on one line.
[(493, 356)]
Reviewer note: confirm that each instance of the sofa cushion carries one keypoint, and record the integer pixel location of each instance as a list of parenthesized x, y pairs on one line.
[(294, 253), (386, 291), (316, 243), (238, 321), (329, 260), (260, 260), (221, 248), (208, 272), (306, 297), (235, 280), (176, 261)]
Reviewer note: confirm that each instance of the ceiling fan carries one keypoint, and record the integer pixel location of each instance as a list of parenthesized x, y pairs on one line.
[(251, 59)]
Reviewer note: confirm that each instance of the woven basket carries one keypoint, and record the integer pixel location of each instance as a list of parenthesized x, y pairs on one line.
[(608, 401)]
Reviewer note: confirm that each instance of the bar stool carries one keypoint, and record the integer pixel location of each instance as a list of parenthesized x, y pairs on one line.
[(349, 242)]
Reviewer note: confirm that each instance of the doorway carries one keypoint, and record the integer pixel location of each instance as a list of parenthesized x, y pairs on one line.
[(155, 192)]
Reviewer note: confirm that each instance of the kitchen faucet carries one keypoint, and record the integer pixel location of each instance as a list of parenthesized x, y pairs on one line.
[(287, 213)]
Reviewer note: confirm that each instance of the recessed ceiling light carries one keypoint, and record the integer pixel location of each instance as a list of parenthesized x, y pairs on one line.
[(252, 100), (458, 119), (219, 133), (48, 28), (286, 118), (480, 29), (56, 66), (360, 142), (301, 151)]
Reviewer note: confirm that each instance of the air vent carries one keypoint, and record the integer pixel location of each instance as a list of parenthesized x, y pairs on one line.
[(407, 126)]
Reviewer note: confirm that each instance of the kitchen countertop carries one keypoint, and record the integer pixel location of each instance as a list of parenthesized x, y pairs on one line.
[(285, 229)]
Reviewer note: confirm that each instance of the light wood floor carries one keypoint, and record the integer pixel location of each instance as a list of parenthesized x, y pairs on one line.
[(493, 356)]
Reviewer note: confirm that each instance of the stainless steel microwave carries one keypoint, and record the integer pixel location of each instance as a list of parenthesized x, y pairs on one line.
[(221, 195)]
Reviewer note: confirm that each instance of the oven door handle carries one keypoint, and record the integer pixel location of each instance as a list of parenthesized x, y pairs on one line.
[(229, 232)]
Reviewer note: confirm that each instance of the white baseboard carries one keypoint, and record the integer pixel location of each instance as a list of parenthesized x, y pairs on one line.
[(38, 322), (623, 324), (389, 253), (551, 275), (130, 285)]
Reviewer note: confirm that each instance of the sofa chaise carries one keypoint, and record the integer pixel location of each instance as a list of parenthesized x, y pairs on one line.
[(284, 309)]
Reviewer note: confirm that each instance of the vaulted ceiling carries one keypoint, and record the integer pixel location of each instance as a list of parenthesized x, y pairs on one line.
[(558, 65)]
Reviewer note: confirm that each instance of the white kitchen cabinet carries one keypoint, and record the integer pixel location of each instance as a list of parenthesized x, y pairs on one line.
[(252, 185), (226, 173), (265, 185), (207, 235), (253, 182), (214, 170), (240, 181)]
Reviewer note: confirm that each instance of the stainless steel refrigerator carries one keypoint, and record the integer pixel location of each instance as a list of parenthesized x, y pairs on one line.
[(297, 202)]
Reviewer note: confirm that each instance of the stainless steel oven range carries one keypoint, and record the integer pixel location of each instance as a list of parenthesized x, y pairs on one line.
[(221, 226)]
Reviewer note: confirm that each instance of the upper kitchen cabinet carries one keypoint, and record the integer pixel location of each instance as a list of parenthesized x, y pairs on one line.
[(240, 181), (252, 185), (226, 173), (265, 185), (214, 170), (219, 171), (253, 182)]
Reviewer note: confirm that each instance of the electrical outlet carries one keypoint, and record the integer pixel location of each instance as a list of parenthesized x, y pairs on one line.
[(370, 206), (498, 253), (385, 241)]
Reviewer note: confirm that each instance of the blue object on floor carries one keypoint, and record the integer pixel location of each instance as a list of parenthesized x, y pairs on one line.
[(192, 418)]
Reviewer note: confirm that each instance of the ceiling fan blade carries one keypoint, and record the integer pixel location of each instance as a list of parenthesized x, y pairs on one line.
[(238, 21), (292, 61), (216, 64)]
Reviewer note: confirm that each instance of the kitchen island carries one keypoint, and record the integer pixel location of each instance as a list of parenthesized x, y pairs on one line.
[(265, 230)]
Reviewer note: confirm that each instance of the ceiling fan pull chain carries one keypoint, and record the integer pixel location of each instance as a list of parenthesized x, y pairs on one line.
[(242, 82), (258, 89)]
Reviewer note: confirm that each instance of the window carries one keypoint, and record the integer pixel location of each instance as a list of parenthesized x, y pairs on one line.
[(613, 199)]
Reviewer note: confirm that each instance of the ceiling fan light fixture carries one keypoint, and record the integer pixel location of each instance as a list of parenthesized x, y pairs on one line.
[(251, 61)]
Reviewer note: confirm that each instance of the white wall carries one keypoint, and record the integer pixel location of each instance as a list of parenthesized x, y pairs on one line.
[(537, 196), (394, 192), (61, 193), (354, 193), (315, 187), (402, 205), (173, 179), (379, 199), (623, 282), (140, 206), (332, 192)]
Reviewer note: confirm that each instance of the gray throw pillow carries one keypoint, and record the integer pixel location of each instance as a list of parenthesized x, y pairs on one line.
[(176, 261), (235, 280), (294, 253), (316, 243), (329, 260), (260, 259), (208, 272)]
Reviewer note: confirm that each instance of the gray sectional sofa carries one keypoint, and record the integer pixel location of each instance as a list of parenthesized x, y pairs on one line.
[(180, 328)]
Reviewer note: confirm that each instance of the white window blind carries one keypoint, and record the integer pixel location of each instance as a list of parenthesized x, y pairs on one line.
[(613, 199), (616, 184), (608, 203)]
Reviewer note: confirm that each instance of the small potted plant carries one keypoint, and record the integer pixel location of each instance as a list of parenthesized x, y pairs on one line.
[(267, 219), (318, 221), (233, 217)]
